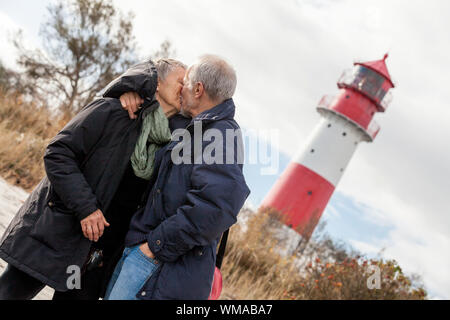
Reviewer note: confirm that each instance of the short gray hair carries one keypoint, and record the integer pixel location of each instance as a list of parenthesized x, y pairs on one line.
[(165, 66), (218, 77)]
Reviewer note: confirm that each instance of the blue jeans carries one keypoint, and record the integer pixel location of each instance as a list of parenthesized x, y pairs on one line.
[(130, 275)]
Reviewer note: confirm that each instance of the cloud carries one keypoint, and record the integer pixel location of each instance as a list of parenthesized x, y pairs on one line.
[(364, 247), (7, 27), (10, 25), (331, 212)]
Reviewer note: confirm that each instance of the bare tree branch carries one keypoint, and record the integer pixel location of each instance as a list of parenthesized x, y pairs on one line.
[(87, 44)]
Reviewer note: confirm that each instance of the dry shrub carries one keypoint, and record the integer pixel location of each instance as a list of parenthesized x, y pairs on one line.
[(253, 268), (25, 131), (349, 280)]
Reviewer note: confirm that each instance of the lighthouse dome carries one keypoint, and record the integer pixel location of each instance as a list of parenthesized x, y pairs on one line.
[(370, 79)]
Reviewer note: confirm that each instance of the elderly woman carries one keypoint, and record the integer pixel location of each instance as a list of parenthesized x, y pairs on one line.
[(97, 169)]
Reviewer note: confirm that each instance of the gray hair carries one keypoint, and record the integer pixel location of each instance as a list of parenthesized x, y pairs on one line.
[(218, 77), (166, 66)]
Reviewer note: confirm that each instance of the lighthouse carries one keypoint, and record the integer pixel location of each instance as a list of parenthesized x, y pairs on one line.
[(303, 190)]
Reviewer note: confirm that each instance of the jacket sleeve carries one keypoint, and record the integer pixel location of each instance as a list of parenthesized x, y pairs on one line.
[(217, 194), (66, 153), (141, 78)]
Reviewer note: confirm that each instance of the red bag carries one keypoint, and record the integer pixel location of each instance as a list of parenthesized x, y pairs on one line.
[(216, 288)]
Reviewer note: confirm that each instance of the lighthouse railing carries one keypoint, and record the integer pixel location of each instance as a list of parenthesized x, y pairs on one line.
[(373, 129), (387, 100), (326, 101), (326, 105)]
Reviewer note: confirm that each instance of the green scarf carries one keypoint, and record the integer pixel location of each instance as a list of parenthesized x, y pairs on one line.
[(155, 132)]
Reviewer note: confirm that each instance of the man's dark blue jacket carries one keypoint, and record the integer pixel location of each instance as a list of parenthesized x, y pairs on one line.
[(189, 207)]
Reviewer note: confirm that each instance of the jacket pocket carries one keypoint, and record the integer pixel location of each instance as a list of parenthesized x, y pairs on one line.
[(56, 230), (188, 278)]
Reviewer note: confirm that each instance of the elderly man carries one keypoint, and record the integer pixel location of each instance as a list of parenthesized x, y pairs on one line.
[(171, 245), (98, 168)]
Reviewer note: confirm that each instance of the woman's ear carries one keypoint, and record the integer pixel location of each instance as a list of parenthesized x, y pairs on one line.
[(157, 87)]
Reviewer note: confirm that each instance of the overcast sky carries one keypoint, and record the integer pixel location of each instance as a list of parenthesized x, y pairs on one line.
[(288, 54)]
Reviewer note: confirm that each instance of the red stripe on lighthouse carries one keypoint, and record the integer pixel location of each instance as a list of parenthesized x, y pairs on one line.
[(301, 195)]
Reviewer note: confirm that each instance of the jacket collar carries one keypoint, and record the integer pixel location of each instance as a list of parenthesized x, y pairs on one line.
[(223, 111)]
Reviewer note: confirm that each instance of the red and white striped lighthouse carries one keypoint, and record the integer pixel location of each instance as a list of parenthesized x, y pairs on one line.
[(305, 187)]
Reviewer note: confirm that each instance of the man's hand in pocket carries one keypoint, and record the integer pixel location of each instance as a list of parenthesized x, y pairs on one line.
[(146, 250)]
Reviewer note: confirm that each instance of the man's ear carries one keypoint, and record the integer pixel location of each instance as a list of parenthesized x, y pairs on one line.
[(199, 90)]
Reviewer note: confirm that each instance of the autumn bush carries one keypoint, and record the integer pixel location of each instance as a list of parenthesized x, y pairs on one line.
[(256, 267), (25, 131)]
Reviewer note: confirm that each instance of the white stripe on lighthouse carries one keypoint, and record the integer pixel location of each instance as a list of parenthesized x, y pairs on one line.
[(330, 147)]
